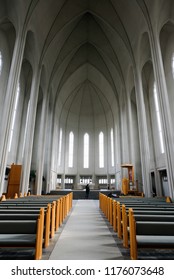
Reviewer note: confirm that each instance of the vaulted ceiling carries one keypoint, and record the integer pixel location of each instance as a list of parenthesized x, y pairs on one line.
[(87, 47)]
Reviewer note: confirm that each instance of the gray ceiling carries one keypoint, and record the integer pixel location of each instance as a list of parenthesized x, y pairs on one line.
[(87, 47)]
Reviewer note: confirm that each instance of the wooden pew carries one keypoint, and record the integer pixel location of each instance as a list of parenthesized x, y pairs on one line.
[(142, 215), (149, 234), (23, 234), (30, 214), (146, 207)]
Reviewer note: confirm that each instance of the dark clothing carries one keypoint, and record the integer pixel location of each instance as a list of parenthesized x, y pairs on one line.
[(87, 191)]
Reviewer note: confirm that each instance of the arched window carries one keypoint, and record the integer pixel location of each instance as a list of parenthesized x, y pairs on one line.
[(71, 148), (158, 118), (14, 116), (172, 65), (0, 63), (60, 147), (112, 147), (86, 151), (101, 150)]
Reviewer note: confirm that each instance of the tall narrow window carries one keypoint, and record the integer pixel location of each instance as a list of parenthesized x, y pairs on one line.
[(86, 151), (26, 124), (71, 148), (158, 118), (60, 147), (0, 63), (101, 150), (112, 147), (172, 65), (14, 116)]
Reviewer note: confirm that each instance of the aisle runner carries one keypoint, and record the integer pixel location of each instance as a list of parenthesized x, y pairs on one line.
[(86, 235)]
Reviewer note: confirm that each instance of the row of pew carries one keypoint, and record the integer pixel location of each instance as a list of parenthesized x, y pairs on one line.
[(140, 222), (32, 221)]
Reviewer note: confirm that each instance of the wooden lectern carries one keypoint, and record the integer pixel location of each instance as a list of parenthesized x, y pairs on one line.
[(14, 178), (127, 182)]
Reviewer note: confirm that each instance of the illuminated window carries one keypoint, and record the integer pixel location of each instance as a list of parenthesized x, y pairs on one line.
[(172, 65), (0, 63), (103, 181), (71, 148), (158, 118), (101, 150), (69, 180), (59, 179), (113, 181), (112, 147), (60, 148), (14, 116), (86, 151), (86, 180)]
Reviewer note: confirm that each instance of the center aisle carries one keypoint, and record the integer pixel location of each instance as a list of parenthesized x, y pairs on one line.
[(86, 235)]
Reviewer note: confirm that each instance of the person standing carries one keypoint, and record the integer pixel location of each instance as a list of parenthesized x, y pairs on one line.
[(87, 191)]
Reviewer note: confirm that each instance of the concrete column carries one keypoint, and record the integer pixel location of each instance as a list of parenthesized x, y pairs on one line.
[(30, 131), (168, 134), (53, 149), (124, 132), (143, 134), (130, 132), (63, 181), (41, 145), (10, 98), (49, 156)]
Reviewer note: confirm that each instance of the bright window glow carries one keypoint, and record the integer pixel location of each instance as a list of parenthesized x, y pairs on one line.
[(14, 116), (69, 180), (59, 180), (86, 180), (113, 181), (86, 151), (26, 124), (60, 148), (103, 181), (112, 147), (172, 65), (101, 150), (71, 148), (158, 119), (0, 63)]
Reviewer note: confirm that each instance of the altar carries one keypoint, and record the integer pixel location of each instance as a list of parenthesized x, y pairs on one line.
[(81, 194), (81, 186)]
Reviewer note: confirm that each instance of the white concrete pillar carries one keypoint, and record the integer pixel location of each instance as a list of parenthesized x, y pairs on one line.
[(143, 134), (49, 152), (168, 134), (9, 103), (130, 131), (124, 131), (41, 145), (30, 130)]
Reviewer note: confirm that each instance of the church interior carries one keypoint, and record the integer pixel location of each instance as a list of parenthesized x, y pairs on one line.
[(87, 99)]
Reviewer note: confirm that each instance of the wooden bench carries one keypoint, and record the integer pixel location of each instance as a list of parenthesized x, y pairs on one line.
[(151, 208), (143, 215), (56, 213), (149, 234), (23, 234), (30, 214)]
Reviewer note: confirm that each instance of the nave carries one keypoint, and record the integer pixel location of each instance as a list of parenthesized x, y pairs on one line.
[(86, 235)]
